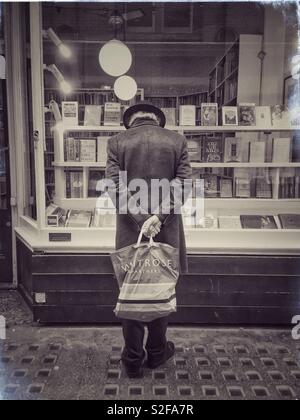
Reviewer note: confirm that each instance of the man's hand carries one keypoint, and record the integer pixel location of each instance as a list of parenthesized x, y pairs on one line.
[(151, 227)]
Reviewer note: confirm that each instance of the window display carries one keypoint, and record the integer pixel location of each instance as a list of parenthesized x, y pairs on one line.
[(244, 152)]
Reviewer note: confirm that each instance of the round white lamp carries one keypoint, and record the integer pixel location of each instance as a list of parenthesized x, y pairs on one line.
[(115, 58), (125, 88)]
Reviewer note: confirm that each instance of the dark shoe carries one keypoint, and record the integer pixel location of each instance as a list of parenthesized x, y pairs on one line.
[(169, 353), (135, 374)]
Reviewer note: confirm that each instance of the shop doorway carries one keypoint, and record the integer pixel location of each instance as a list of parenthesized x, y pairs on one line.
[(5, 208)]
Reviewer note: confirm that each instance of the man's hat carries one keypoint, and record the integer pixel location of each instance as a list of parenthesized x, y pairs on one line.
[(144, 106)]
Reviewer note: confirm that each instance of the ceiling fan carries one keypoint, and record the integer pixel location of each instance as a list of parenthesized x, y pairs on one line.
[(117, 19)]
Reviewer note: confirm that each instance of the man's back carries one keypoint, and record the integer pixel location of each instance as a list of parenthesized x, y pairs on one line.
[(147, 151)]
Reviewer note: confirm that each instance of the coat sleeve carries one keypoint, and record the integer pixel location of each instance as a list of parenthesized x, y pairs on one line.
[(117, 189), (182, 183)]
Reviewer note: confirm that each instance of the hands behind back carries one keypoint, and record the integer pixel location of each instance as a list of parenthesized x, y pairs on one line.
[(151, 227)]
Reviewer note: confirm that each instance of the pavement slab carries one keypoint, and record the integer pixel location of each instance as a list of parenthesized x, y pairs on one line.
[(83, 363)]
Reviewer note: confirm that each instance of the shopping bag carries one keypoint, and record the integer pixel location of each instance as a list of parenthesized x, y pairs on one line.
[(147, 274)]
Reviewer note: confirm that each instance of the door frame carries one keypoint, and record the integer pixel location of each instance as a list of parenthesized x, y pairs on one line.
[(16, 52)]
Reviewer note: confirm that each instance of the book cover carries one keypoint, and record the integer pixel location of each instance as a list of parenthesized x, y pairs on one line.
[(94, 177), (281, 150), (112, 113), (247, 114), (263, 188), (74, 184), (263, 116), (209, 114), (289, 221), (79, 219), (55, 216), (230, 115), (287, 187), (207, 222), (211, 185), (230, 222), (226, 190), (69, 149), (194, 150), (187, 115), (257, 152), (295, 117), (280, 117), (213, 150), (258, 222), (77, 150), (70, 113), (92, 115), (242, 188), (88, 150), (170, 114), (102, 143), (296, 149), (233, 149)]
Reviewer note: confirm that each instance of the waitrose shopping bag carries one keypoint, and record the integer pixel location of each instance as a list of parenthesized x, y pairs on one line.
[(147, 274)]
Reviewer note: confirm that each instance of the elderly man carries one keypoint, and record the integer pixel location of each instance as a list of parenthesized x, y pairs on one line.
[(147, 151)]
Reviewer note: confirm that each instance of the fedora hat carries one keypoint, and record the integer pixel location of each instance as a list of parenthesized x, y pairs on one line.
[(144, 106)]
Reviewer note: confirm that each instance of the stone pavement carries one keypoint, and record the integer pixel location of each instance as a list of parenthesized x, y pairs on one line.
[(84, 363)]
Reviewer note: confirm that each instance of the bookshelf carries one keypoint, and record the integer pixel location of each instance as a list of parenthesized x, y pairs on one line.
[(230, 170), (84, 97), (236, 77)]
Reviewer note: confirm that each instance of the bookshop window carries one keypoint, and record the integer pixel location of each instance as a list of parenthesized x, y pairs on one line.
[(203, 66)]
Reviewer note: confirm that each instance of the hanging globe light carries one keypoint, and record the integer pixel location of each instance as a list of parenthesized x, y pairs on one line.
[(115, 58), (125, 88)]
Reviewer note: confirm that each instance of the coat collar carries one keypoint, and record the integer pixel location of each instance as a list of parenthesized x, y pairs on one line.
[(143, 121)]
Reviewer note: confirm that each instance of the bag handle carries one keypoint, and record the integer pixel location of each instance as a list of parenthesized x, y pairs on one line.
[(139, 241)]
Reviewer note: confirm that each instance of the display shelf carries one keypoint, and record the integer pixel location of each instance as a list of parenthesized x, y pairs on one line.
[(194, 165), (183, 128), (199, 165), (102, 240), (80, 165)]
